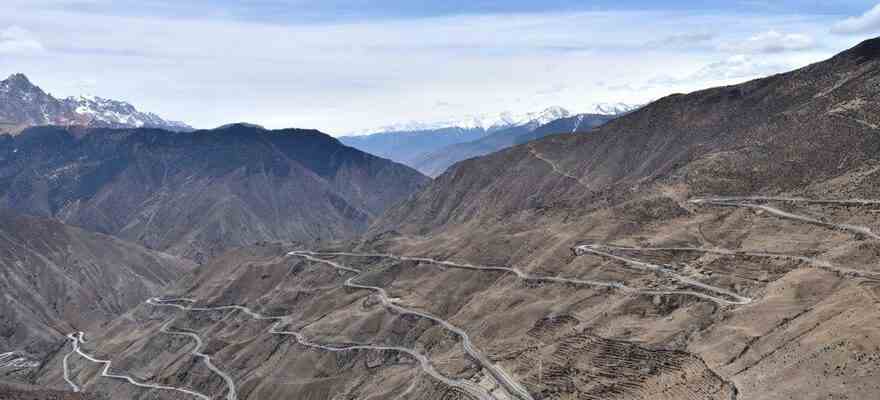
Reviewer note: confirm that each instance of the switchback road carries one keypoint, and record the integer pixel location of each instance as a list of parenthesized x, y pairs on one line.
[(281, 321), (78, 338)]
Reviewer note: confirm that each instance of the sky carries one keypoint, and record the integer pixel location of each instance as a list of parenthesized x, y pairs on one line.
[(346, 66)]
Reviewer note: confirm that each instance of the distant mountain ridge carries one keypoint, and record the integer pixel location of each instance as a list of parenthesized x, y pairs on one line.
[(431, 148), (436, 162), (23, 105), (491, 122), (199, 193), (407, 146)]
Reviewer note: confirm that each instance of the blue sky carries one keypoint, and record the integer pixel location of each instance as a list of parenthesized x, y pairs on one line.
[(286, 11), (344, 66)]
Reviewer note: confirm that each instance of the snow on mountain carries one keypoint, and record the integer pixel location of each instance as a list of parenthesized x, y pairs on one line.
[(492, 122), (119, 114), (23, 104), (489, 122), (612, 108)]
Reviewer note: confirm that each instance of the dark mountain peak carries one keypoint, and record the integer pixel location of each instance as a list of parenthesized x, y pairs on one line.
[(240, 125), (865, 51), (19, 79), (19, 83)]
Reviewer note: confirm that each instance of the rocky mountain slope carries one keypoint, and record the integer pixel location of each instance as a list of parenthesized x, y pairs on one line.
[(800, 250), (717, 245), (436, 162), (9, 391), (197, 194), (56, 279), (713, 245), (23, 105)]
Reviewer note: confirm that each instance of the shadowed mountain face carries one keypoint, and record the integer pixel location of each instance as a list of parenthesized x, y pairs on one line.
[(196, 194), (56, 279)]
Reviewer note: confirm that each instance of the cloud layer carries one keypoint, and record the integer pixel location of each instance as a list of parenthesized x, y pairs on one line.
[(869, 22), (15, 40), (772, 42), (347, 75)]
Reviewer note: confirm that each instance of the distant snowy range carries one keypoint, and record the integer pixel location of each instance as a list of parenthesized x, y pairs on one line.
[(432, 147), (428, 146)]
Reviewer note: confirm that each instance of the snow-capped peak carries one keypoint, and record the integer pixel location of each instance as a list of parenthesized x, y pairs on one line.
[(548, 115), (612, 108), (487, 122), (116, 114)]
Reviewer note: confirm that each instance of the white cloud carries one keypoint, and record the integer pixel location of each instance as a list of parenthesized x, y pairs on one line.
[(683, 41), (343, 77), (736, 68), (16, 40), (869, 22), (771, 42)]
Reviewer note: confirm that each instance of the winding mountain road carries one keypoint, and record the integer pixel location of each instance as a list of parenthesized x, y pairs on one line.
[(553, 165), (231, 390), (78, 338), (815, 262), (538, 278), (748, 202), (737, 299), (512, 387), (845, 202), (276, 328), (519, 273), (744, 202), (65, 363)]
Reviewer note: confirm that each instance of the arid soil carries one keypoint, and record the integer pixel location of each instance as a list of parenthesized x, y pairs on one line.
[(715, 245)]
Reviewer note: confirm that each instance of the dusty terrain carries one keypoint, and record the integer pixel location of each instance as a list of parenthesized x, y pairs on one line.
[(11, 391), (716, 245)]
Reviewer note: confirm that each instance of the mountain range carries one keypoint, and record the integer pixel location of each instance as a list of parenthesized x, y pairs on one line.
[(433, 149), (196, 194), (711, 245), (23, 105), (434, 163), (730, 224), (714, 245), (490, 122)]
